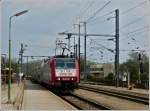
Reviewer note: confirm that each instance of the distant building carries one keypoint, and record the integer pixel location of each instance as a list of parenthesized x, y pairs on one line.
[(99, 71), (5, 73), (108, 68)]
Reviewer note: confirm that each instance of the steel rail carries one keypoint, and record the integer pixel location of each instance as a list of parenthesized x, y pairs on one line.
[(118, 94), (92, 103)]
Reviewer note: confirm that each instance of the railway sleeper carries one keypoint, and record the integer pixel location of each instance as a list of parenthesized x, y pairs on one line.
[(123, 96)]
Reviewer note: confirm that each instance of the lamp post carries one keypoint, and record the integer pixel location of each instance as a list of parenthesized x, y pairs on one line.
[(9, 76)]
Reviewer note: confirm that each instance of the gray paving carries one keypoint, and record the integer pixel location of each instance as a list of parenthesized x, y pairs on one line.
[(37, 97)]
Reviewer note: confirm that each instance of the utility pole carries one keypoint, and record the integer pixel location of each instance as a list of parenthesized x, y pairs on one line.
[(79, 51), (69, 36), (117, 48), (21, 54), (4, 69), (76, 45), (128, 75), (139, 76), (18, 71), (140, 67), (27, 67), (9, 75), (85, 50)]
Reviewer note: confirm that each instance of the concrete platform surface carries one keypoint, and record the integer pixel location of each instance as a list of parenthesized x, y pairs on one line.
[(38, 97), (15, 89)]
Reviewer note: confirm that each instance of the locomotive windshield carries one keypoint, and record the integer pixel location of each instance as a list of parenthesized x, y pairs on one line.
[(65, 63)]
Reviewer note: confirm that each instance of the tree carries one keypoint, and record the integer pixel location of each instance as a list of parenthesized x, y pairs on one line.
[(13, 64), (132, 65), (110, 77), (144, 77), (123, 68)]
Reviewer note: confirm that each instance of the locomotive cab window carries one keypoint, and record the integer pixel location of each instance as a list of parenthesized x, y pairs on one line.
[(62, 63)]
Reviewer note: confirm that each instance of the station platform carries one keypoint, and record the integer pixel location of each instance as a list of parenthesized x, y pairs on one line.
[(15, 90), (134, 91), (38, 97)]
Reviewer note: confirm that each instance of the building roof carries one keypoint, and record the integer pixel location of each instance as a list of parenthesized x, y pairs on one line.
[(7, 69)]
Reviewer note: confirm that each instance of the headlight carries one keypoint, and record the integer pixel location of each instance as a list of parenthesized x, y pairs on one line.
[(58, 78)]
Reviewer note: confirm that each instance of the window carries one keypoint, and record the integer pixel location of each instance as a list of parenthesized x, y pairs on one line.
[(101, 69), (60, 65)]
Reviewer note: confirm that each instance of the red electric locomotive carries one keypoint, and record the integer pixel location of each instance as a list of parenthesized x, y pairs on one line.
[(58, 72)]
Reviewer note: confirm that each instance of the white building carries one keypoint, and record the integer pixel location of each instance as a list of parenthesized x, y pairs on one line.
[(100, 71)]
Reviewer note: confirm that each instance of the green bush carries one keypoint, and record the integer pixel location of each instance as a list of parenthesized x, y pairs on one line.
[(110, 77)]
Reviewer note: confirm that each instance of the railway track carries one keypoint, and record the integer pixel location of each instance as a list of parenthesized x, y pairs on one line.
[(85, 103), (92, 83), (79, 102), (82, 103), (135, 98)]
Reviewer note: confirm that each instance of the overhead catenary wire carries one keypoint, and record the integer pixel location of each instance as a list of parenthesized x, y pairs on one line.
[(133, 22), (136, 30), (33, 51), (131, 50), (132, 8), (104, 47), (133, 34), (89, 5), (93, 14), (98, 22), (85, 10), (102, 39), (102, 16), (100, 9), (75, 18), (101, 51), (122, 50), (38, 46), (135, 42), (124, 12)]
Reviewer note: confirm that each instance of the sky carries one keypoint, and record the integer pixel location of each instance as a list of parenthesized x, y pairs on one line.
[(39, 28)]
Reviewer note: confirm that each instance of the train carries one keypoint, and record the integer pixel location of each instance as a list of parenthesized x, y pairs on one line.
[(59, 72)]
